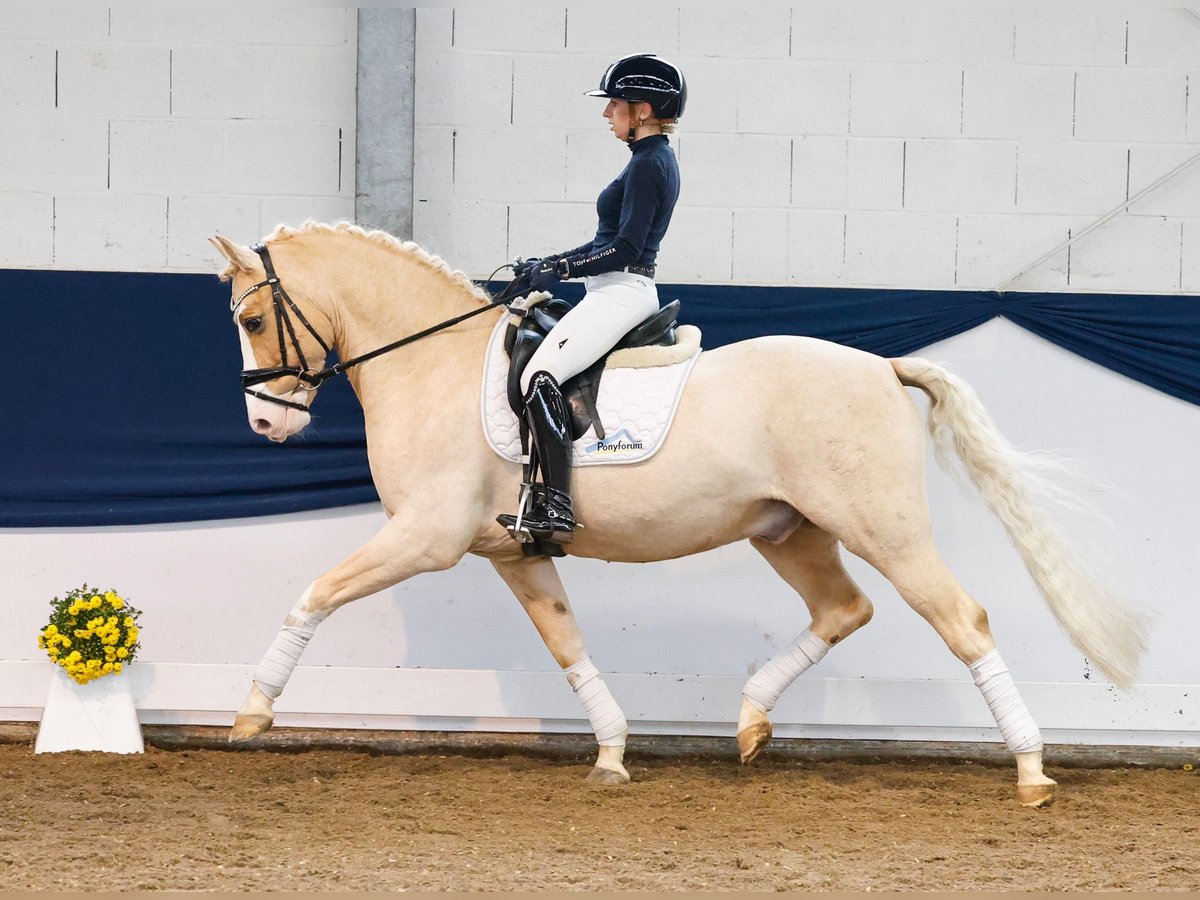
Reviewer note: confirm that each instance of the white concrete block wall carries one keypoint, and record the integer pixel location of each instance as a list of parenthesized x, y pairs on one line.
[(131, 135), (913, 148)]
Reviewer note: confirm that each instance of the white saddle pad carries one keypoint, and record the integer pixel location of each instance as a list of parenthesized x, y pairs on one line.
[(638, 397)]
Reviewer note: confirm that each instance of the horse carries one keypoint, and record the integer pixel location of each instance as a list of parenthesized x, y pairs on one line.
[(822, 448)]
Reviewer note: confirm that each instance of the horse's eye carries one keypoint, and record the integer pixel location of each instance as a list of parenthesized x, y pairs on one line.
[(253, 324)]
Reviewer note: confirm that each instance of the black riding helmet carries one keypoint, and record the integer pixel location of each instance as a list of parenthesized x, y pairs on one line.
[(645, 76)]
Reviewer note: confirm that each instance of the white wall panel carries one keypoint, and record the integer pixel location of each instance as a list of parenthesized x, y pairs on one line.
[(753, 31), (433, 162), (107, 232), (470, 235), (218, 82), (114, 80), (539, 229), (264, 157), (26, 78), (985, 37), (269, 25), (27, 238), (1133, 253), (549, 91), (49, 23), (463, 89), (790, 97), (992, 249), (737, 170), (167, 24), (298, 85), (760, 246), (530, 28), (858, 173), (1163, 37), (595, 158), (960, 176), (192, 220), (510, 164), (1070, 36), (596, 29), (165, 155), (816, 247), (435, 27), (294, 210), (906, 101), (1018, 102), (1130, 105), (1189, 266), (54, 154), (900, 249), (1178, 197), (1054, 177), (845, 33), (698, 247)]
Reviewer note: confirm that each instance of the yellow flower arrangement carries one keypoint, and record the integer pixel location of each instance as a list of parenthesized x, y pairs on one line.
[(91, 633)]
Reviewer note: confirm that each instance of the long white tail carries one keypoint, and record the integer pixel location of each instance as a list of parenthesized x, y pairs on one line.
[(1020, 489)]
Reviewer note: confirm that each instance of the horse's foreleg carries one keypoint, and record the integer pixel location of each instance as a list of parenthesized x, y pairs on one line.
[(535, 583), (810, 561), (388, 558)]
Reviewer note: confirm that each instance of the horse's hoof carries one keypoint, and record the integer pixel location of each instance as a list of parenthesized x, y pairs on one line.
[(248, 725), (607, 777), (1037, 796), (752, 739)]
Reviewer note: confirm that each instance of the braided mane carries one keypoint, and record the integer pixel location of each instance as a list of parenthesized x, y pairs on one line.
[(381, 239)]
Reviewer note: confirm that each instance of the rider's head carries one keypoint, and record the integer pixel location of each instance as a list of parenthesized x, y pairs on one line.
[(645, 92)]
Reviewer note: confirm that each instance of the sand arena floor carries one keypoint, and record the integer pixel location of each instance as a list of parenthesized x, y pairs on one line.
[(344, 819)]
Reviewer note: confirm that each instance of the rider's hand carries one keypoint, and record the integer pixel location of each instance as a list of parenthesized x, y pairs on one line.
[(523, 267), (544, 275)]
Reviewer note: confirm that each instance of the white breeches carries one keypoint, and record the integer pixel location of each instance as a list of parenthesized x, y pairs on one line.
[(615, 302)]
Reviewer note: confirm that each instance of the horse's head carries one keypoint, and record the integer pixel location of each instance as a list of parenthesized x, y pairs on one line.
[(282, 342)]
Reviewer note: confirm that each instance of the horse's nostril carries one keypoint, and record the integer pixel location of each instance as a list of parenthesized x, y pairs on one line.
[(260, 426)]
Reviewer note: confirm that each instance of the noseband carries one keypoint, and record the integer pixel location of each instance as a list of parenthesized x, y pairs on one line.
[(307, 377)]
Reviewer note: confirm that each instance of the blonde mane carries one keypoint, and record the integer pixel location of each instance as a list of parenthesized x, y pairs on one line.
[(380, 239)]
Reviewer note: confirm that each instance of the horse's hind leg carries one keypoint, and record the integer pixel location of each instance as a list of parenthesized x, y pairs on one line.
[(809, 560), (932, 590), (536, 584)]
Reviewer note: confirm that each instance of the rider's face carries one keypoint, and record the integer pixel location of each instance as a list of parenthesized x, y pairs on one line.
[(617, 113)]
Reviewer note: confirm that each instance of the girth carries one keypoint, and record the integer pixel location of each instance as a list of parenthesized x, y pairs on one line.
[(522, 339)]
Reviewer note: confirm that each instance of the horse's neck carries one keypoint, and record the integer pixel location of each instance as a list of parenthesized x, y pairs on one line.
[(391, 299)]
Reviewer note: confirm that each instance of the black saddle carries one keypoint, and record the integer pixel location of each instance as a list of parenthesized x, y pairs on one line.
[(521, 340)]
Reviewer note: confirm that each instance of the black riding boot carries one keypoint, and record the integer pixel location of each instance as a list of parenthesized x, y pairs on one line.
[(549, 516)]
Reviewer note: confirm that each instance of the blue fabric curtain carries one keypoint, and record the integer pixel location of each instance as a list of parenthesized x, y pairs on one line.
[(124, 407)]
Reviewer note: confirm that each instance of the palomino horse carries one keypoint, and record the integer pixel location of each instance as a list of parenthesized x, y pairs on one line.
[(821, 447)]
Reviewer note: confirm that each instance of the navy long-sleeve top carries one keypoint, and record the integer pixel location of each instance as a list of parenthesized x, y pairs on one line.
[(634, 212)]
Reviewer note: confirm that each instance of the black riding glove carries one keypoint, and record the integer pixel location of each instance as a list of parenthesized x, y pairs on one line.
[(524, 266), (546, 274)]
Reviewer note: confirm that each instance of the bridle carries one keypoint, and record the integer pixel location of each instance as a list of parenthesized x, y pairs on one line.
[(309, 378)]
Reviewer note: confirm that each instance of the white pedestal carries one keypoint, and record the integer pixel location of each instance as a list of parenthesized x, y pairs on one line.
[(99, 715)]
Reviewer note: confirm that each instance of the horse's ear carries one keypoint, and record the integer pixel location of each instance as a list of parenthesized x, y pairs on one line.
[(241, 257)]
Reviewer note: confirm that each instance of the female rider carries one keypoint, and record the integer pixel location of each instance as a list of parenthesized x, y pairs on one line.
[(646, 96)]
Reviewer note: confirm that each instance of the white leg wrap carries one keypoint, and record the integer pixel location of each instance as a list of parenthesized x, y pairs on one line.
[(765, 685), (602, 711), (996, 684), (276, 667)]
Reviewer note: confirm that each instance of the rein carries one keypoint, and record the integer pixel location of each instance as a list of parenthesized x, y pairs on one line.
[(307, 377)]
